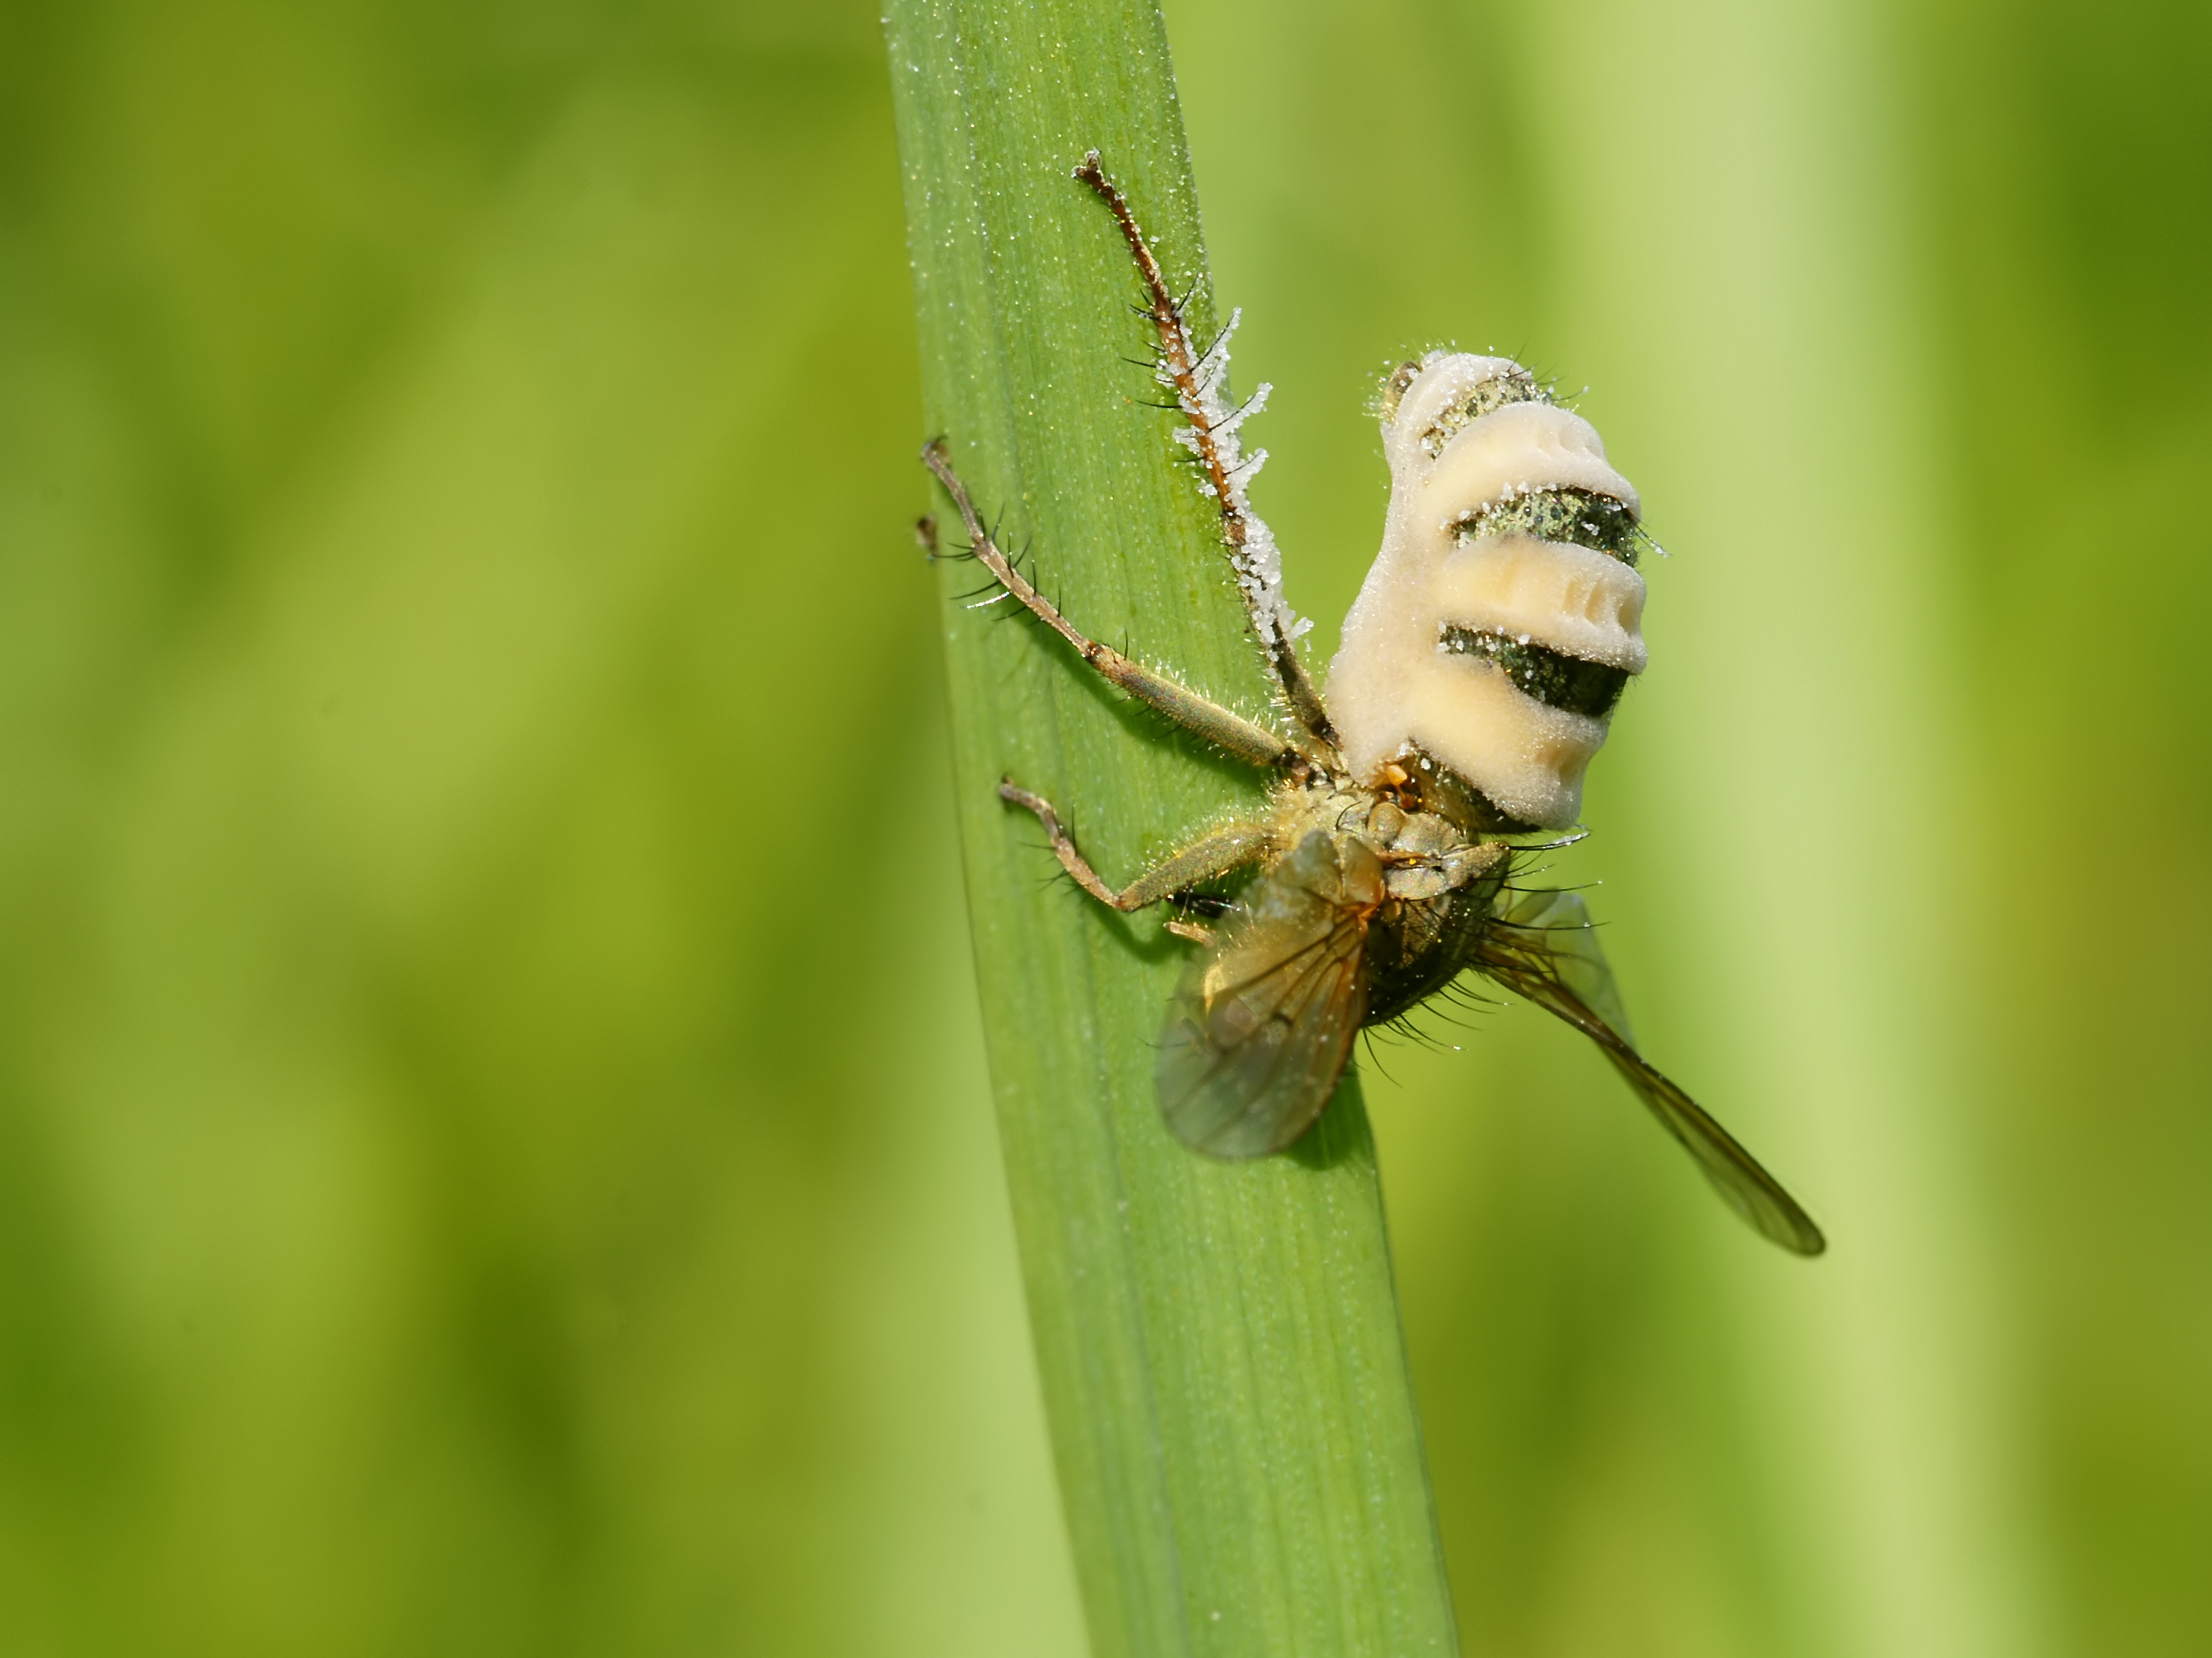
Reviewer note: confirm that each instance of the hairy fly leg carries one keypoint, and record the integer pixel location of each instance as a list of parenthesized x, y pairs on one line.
[(1230, 731), (1199, 379), (1230, 847)]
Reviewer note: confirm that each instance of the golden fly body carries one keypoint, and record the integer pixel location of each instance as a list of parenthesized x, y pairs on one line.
[(1479, 671)]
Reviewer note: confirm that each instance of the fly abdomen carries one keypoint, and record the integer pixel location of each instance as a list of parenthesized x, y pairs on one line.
[(1503, 615), (1552, 678), (1579, 516)]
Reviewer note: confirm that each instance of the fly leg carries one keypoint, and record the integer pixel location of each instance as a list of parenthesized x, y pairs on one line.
[(1227, 848), (1197, 378), (1230, 731)]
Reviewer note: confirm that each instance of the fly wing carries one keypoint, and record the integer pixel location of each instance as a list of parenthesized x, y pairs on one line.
[(1258, 1031), (1545, 949)]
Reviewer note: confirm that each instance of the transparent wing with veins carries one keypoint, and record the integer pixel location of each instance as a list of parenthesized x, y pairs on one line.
[(1544, 948), (1259, 1031)]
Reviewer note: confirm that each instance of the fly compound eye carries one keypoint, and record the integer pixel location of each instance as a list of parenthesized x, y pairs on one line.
[(1504, 614)]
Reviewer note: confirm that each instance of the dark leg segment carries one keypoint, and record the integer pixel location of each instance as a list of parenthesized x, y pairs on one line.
[(1223, 850)]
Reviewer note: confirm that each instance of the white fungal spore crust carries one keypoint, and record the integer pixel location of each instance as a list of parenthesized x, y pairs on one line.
[(1575, 599), (1204, 403), (1395, 688), (1200, 381), (1519, 447)]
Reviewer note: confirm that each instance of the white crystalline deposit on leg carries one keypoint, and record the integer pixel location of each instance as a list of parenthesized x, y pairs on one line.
[(1258, 563), (1393, 687)]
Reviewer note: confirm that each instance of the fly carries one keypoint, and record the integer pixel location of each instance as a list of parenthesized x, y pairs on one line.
[(1479, 672)]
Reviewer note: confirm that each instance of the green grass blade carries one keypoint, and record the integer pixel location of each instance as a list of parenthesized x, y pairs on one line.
[(1231, 1418)]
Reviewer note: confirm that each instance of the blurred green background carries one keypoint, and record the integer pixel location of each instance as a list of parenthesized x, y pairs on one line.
[(493, 1155)]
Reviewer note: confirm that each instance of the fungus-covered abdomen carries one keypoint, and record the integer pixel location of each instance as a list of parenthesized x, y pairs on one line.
[(1503, 613)]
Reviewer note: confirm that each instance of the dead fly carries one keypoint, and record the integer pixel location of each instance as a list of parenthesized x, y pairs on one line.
[(1479, 668)]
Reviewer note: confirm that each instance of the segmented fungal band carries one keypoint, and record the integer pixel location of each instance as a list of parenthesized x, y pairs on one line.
[(1503, 613)]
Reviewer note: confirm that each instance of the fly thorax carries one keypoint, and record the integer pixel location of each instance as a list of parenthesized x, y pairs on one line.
[(1503, 615), (1425, 856)]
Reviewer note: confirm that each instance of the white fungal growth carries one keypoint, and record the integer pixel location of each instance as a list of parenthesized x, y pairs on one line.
[(1203, 398), (1469, 434)]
